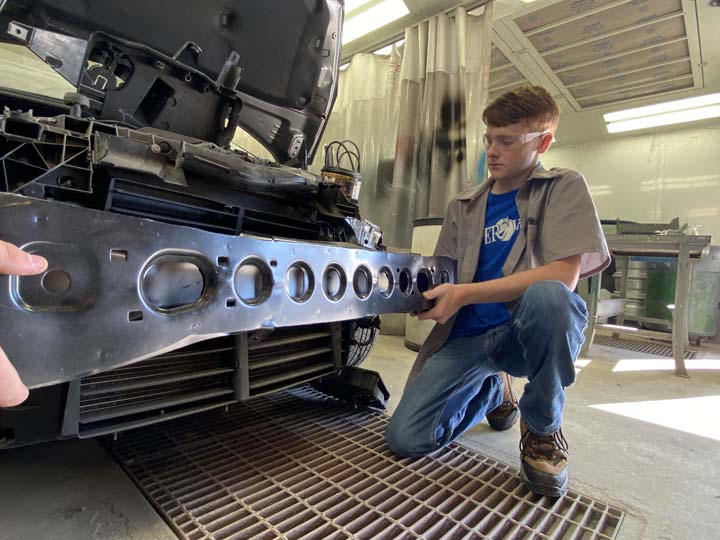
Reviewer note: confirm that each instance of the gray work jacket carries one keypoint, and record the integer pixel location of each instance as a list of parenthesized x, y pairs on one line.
[(558, 220)]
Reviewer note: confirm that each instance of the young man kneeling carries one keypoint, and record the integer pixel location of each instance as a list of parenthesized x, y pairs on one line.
[(522, 240)]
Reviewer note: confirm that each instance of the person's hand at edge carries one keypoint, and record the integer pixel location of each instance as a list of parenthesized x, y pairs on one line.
[(14, 261)]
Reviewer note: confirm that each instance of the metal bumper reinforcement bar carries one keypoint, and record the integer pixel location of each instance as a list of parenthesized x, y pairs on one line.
[(121, 289)]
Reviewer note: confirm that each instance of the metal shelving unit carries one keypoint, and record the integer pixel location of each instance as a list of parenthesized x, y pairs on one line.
[(687, 250)]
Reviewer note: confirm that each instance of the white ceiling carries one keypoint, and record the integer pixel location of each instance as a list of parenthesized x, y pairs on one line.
[(602, 52), (598, 56), (595, 56)]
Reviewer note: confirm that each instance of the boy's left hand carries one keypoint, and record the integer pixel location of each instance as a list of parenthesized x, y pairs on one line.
[(447, 302)]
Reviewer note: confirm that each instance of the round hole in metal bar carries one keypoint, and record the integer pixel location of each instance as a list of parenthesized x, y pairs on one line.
[(300, 282), (385, 282), (172, 284), (362, 282), (444, 277), (424, 280), (253, 281), (406, 282), (56, 281), (334, 282)]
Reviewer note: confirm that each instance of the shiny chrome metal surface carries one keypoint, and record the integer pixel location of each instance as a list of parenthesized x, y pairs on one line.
[(121, 289)]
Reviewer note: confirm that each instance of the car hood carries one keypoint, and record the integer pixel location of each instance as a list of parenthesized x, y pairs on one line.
[(195, 68)]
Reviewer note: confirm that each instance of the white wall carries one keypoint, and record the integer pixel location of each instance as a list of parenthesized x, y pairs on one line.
[(652, 178)]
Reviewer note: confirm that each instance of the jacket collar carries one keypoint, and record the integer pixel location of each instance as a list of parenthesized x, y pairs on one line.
[(538, 173)]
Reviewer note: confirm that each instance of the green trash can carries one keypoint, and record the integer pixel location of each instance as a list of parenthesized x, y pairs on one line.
[(704, 292), (660, 287), (705, 295)]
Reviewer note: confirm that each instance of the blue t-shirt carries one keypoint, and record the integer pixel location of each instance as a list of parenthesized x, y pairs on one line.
[(502, 224)]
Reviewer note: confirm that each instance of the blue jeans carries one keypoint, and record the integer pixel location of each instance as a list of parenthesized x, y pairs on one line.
[(459, 384)]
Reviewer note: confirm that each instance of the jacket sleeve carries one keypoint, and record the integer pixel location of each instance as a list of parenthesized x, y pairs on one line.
[(571, 226), (446, 245)]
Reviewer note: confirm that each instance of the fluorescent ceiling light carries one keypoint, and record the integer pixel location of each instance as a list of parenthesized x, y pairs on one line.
[(664, 114), (373, 18), (670, 106), (351, 5), (665, 119)]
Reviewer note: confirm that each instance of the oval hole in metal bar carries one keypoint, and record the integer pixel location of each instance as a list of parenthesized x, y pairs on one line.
[(424, 280), (444, 277), (300, 282), (253, 281), (385, 282), (406, 284), (334, 282), (362, 282), (173, 284)]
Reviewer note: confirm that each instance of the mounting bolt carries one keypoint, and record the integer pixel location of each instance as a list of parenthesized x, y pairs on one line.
[(155, 148), (77, 102)]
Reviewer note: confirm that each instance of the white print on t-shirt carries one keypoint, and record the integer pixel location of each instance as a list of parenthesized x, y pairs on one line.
[(503, 230)]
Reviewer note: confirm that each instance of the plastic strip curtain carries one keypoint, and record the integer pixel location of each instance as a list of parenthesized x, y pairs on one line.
[(366, 112), (415, 115), (443, 91)]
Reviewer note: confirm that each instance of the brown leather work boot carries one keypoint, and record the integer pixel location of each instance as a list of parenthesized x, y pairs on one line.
[(506, 414), (543, 462)]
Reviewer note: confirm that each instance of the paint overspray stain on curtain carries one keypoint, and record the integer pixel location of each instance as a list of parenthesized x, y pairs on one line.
[(415, 115), (443, 90)]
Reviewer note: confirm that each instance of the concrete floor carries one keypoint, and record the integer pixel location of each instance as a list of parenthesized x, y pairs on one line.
[(640, 438), (72, 490)]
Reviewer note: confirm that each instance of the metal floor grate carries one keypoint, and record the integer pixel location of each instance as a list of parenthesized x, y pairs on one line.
[(640, 346), (295, 465)]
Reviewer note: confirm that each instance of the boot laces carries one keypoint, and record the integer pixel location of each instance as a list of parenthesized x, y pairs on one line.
[(551, 447), (507, 384)]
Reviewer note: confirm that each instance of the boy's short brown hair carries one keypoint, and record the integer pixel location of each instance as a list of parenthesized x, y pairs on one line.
[(530, 104)]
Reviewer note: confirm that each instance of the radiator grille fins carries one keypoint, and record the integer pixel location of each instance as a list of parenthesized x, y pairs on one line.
[(188, 380), (291, 356), (206, 375)]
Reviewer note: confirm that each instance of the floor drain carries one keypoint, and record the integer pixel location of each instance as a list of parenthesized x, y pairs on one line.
[(640, 346), (296, 465)]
